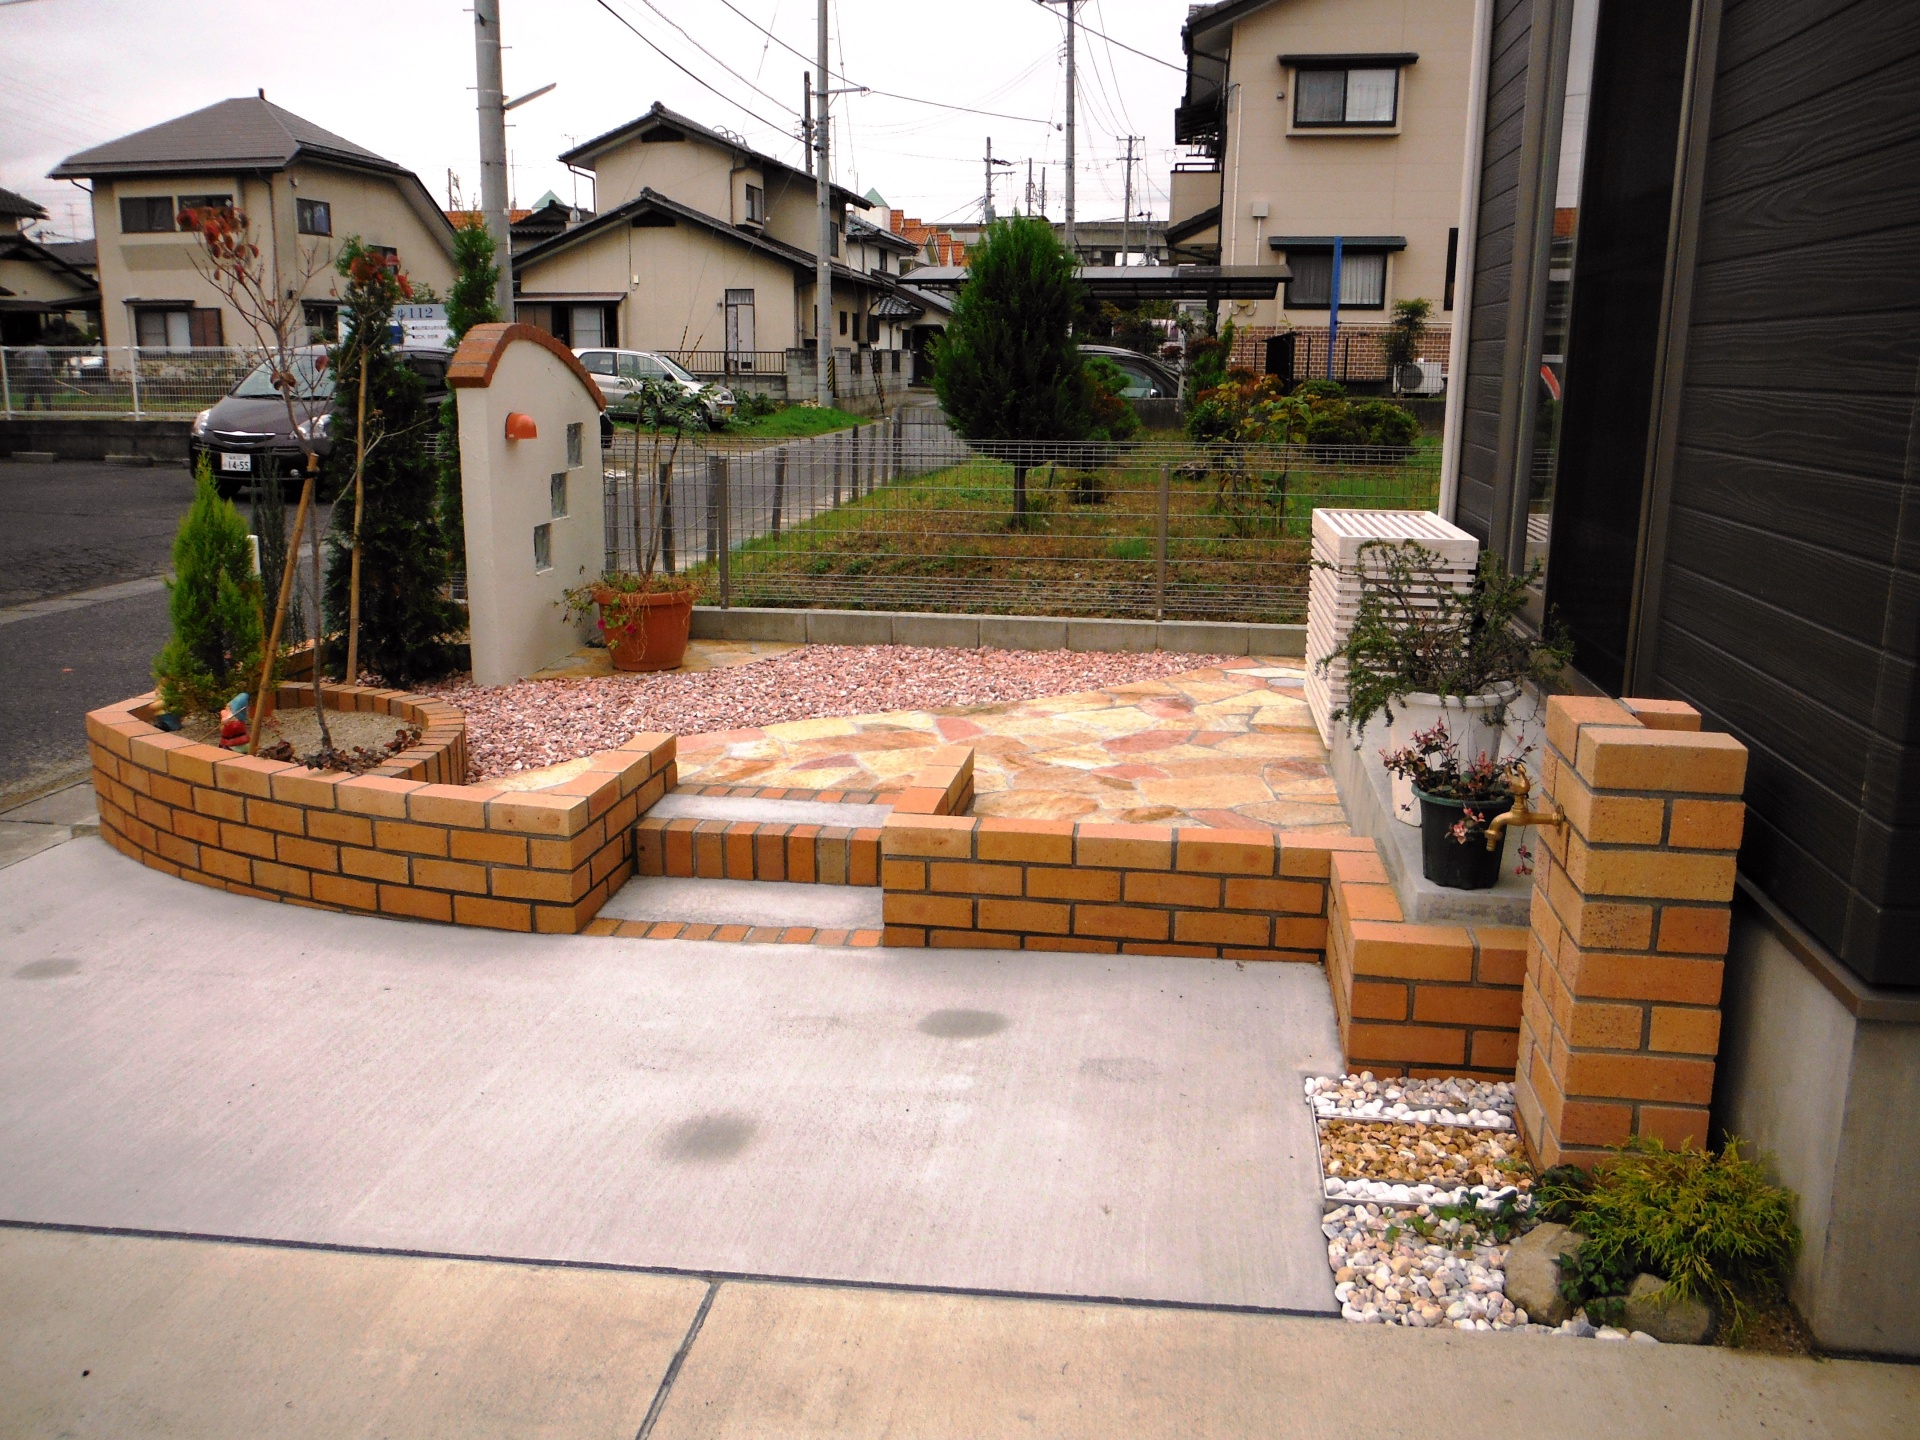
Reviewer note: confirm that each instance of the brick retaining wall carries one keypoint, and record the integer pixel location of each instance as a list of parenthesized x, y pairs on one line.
[(403, 840), (810, 854), (1419, 999), (1142, 889)]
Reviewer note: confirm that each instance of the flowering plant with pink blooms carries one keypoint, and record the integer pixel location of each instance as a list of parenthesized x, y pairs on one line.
[(1431, 761)]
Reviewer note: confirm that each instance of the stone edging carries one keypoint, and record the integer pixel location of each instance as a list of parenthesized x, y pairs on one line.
[(1000, 632), (402, 841)]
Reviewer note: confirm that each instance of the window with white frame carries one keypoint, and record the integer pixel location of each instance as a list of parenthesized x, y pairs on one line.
[(1346, 97), (1363, 280)]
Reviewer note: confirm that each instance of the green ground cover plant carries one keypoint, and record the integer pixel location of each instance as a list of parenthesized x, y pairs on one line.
[(1707, 1223)]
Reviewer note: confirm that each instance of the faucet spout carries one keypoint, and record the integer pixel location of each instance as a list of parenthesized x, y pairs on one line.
[(1520, 815)]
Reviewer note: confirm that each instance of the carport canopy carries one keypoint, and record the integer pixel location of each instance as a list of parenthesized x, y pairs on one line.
[(1129, 284)]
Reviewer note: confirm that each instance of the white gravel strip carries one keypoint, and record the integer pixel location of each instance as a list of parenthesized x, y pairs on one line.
[(1384, 1192), (1483, 1103), (537, 723), (1386, 1273)]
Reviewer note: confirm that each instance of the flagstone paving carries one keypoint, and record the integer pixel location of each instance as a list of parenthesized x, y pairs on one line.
[(1229, 746)]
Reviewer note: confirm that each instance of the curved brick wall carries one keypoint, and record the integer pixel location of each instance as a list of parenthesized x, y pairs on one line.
[(403, 840)]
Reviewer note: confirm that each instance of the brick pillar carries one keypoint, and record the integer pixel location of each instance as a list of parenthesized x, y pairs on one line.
[(1620, 1018)]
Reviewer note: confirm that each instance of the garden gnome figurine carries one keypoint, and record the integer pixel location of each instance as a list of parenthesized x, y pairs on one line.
[(233, 723)]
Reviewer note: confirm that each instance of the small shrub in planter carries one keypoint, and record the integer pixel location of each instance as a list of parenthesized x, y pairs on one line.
[(1457, 803), (214, 601), (646, 614)]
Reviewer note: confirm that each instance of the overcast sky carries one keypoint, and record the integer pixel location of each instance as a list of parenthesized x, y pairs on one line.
[(396, 76)]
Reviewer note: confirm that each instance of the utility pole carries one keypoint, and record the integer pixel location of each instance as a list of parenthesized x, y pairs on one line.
[(1126, 206), (491, 99), (1070, 4), (1029, 203), (823, 198), (991, 162), (806, 118)]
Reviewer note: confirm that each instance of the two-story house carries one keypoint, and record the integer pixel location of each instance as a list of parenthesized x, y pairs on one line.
[(1311, 120), (305, 190), (701, 244)]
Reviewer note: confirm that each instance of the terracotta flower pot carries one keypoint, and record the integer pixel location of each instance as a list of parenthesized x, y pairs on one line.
[(646, 632)]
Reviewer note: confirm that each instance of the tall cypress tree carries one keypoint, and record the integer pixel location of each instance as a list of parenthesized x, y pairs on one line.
[(405, 618), (1007, 367)]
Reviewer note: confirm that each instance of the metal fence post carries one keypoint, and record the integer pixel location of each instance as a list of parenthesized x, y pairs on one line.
[(1163, 505), (839, 449), (134, 352), (726, 533), (665, 489), (6, 389), (894, 469), (779, 486), (712, 507)]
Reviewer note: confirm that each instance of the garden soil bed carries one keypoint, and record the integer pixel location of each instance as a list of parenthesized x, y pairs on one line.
[(351, 729), (537, 723)]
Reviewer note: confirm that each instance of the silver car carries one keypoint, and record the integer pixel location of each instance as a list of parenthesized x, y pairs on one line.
[(618, 373)]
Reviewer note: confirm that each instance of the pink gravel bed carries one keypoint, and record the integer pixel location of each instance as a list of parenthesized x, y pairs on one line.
[(536, 723)]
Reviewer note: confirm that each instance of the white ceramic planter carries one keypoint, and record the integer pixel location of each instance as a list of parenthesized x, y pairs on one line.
[(1475, 722)]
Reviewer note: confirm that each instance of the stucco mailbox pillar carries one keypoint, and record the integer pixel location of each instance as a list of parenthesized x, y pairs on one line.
[(531, 485)]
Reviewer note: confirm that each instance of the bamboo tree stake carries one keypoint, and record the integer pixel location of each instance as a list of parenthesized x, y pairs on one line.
[(359, 509), (262, 705)]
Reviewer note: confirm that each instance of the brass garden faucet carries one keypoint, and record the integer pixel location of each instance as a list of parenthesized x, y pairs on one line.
[(1521, 815)]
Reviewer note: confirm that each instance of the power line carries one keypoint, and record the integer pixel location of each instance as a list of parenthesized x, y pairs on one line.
[(710, 55), (1121, 43), (870, 90), (648, 42)]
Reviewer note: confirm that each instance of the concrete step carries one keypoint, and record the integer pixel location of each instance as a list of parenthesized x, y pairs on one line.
[(759, 903), (753, 810)]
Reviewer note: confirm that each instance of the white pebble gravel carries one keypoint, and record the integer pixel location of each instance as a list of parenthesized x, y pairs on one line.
[(537, 723), (1386, 1273), (1382, 1192), (1487, 1104)]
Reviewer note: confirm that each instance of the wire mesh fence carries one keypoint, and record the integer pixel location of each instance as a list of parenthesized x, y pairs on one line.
[(905, 515), (120, 381)]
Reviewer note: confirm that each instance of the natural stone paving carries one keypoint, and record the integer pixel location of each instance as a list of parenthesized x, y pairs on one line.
[(1230, 747)]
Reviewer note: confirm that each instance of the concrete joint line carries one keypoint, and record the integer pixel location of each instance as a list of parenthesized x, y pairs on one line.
[(679, 1359), (105, 594)]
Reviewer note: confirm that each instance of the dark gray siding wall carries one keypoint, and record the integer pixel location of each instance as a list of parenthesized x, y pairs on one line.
[(1492, 261), (1789, 607)]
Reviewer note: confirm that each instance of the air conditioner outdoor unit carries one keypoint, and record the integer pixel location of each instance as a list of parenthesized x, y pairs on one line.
[(1419, 377)]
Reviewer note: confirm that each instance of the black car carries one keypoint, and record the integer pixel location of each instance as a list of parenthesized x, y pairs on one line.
[(1147, 378), (248, 432)]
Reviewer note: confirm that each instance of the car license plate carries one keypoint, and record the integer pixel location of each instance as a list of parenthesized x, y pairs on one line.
[(236, 460)]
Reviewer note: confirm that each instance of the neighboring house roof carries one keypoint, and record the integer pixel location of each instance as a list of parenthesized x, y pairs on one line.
[(19, 207), (867, 232), (479, 217), (658, 116), (1227, 12), (82, 253), (1193, 225), (251, 133), (653, 202), (19, 247)]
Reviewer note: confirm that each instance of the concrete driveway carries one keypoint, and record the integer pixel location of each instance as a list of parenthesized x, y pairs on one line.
[(178, 1060)]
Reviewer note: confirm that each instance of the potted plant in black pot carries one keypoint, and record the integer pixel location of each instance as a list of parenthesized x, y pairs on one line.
[(1458, 802), (1421, 653)]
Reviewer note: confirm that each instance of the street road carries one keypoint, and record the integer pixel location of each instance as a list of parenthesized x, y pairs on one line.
[(68, 533)]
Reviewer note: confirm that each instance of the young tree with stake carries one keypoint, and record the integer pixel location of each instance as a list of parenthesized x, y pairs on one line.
[(269, 303)]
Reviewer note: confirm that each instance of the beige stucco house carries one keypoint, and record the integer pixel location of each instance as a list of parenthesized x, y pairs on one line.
[(304, 189), (1311, 119), (699, 243)]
